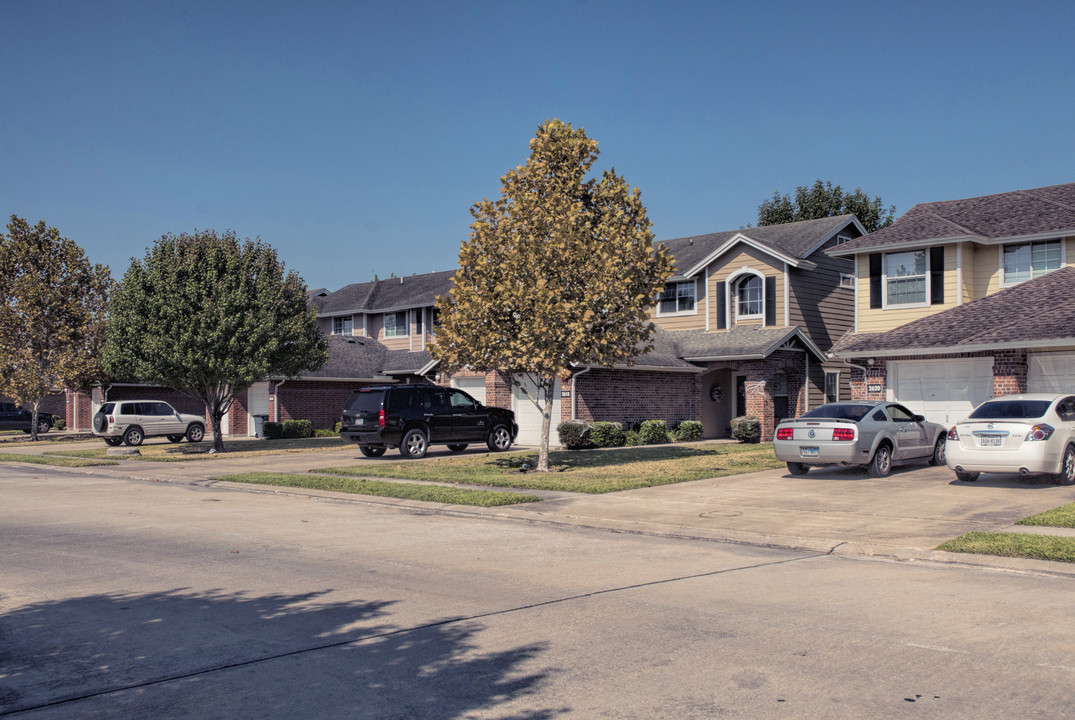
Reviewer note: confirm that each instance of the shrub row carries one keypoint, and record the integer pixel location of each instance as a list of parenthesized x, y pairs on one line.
[(288, 429), (579, 434)]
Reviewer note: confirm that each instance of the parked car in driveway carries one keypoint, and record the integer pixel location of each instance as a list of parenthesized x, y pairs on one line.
[(1027, 434), (132, 421), (13, 417), (413, 417), (875, 434)]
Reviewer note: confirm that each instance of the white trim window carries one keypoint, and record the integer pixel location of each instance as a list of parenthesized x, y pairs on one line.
[(832, 386), (841, 239), (395, 324), (750, 297), (847, 280), (677, 298), (907, 278), (343, 325), (1024, 261)]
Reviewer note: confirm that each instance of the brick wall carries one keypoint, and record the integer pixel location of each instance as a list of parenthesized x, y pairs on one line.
[(1009, 371), (631, 396), (320, 402)]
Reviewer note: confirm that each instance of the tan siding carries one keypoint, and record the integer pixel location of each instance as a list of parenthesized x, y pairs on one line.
[(746, 257), (693, 321), (879, 319), (818, 304)]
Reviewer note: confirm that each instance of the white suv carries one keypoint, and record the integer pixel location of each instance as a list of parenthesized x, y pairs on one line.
[(131, 421)]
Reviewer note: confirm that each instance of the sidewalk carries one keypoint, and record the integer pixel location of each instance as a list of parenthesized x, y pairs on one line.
[(842, 512)]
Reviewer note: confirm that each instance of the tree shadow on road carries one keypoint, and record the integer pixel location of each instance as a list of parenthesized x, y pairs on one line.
[(184, 653)]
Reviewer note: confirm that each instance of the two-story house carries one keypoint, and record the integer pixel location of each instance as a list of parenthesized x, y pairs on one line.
[(962, 300)]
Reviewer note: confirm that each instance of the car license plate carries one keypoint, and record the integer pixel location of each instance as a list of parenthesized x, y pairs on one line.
[(992, 440), (359, 421), (808, 452)]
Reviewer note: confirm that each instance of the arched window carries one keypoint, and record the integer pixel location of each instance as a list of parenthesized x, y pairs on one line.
[(750, 296)]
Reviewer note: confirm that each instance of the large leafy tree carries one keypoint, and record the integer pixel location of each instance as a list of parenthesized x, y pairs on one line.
[(209, 315), (559, 271), (52, 307), (822, 200)]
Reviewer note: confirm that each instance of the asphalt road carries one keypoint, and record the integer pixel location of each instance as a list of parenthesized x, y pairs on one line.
[(134, 598)]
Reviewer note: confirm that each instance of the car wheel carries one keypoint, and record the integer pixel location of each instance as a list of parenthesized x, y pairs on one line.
[(113, 441), (414, 444), (43, 426), (1067, 467), (797, 468), (99, 422), (938, 452), (133, 436), (881, 464), (966, 476), (195, 433), (457, 447), (499, 439), (175, 438), (371, 451)]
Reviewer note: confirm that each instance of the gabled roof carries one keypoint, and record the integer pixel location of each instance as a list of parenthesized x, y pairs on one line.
[(1038, 313), (684, 349), (352, 358), (386, 295), (791, 243), (989, 219)]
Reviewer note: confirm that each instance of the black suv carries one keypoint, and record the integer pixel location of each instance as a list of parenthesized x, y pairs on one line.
[(413, 417), (13, 417)]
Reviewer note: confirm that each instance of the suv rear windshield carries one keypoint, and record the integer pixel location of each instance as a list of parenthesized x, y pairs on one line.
[(365, 401), (1011, 410), (839, 412)]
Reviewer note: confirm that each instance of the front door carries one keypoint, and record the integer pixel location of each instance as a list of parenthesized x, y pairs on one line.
[(740, 395)]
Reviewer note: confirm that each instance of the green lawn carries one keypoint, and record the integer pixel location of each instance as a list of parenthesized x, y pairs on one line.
[(408, 491), (54, 460), (1018, 545), (1063, 516), (584, 471), (184, 451)]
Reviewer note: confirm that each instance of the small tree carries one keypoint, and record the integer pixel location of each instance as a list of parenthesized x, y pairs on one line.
[(209, 316), (822, 200), (559, 271), (52, 306)]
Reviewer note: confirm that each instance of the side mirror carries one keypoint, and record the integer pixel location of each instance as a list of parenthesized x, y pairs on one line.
[(919, 418)]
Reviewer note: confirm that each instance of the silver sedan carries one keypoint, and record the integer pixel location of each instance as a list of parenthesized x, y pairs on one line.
[(875, 434)]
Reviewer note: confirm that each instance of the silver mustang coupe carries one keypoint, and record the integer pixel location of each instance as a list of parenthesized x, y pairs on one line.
[(875, 434)]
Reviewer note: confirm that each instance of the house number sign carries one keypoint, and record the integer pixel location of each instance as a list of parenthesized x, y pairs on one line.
[(873, 387)]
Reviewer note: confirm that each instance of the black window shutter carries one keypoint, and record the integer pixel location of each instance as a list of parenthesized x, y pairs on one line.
[(721, 307), (770, 301), (875, 280), (936, 275)]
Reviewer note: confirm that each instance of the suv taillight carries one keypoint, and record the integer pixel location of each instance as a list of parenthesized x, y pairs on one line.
[(842, 433), (382, 419), (784, 433)]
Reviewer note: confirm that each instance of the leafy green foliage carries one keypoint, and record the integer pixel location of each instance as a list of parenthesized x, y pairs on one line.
[(746, 429), (822, 200), (687, 431), (52, 312), (607, 434), (298, 429), (209, 315), (653, 432), (573, 434), (559, 271)]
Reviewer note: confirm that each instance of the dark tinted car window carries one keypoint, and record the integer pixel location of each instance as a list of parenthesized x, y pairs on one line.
[(1066, 409), (160, 408), (900, 414), (365, 401), (459, 400), (1011, 410), (433, 400), (107, 408), (839, 412), (129, 408), (879, 416)]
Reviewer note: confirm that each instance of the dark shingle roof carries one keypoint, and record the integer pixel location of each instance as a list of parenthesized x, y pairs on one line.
[(384, 295), (797, 240), (989, 217), (681, 349), (359, 358), (1035, 312)]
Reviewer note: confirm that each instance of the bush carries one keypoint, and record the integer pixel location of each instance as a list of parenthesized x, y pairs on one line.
[(607, 434), (272, 430), (298, 429), (653, 432), (574, 434), (326, 432), (631, 438), (746, 429), (59, 423), (687, 431)]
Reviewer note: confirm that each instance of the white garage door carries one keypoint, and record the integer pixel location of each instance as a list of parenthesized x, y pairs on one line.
[(945, 391), (1051, 372), (528, 417), (473, 386)]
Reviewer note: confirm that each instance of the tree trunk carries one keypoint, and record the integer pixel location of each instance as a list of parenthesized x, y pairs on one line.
[(34, 407), (546, 426), (218, 434)]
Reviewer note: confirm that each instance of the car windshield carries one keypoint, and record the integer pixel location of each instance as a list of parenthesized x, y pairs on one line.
[(839, 412), (365, 401), (1011, 410)]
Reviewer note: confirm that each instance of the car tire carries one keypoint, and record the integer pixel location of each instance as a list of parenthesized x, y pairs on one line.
[(1066, 476), (99, 422), (414, 444), (133, 436), (195, 433), (798, 468), (175, 438), (114, 441), (457, 447), (938, 456), (966, 476), (881, 462), (43, 426), (499, 439), (371, 451)]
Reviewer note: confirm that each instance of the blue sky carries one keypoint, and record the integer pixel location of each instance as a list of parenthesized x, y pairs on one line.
[(355, 136)]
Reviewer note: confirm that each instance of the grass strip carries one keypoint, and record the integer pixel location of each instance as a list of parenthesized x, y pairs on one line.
[(53, 460), (184, 452), (1063, 516), (380, 488), (584, 471), (1017, 545)]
